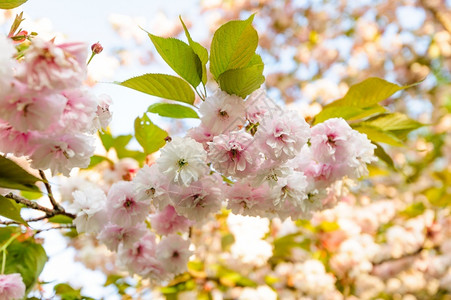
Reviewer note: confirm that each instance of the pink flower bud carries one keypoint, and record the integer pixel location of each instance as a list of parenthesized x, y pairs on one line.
[(96, 48)]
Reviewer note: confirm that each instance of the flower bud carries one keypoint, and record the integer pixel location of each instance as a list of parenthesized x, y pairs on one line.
[(96, 48)]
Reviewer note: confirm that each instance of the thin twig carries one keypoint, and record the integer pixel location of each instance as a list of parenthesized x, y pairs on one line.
[(28, 221), (55, 205), (56, 227)]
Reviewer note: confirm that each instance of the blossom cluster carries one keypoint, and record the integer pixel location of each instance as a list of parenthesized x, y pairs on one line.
[(278, 164), (118, 220), (248, 155), (45, 112)]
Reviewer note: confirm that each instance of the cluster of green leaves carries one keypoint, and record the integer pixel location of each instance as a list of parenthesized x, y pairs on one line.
[(362, 109), (119, 144), (24, 255), (233, 63)]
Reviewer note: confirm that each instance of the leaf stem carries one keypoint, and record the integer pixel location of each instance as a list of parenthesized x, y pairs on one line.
[(200, 95), (3, 249), (3, 262)]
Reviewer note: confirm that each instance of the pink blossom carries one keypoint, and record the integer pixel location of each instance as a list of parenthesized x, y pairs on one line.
[(79, 111), (173, 252), (7, 62), (198, 200), (201, 134), (124, 169), (322, 173), (103, 113), (141, 259), (234, 154), (361, 155), (14, 141), (11, 286), (113, 235), (53, 67), (222, 112), (247, 200), (282, 136), (61, 152), (89, 207), (258, 105), (330, 141), (292, 189), (150, 184), (27, 110), (269, 172), (168, 221), (124, 208)]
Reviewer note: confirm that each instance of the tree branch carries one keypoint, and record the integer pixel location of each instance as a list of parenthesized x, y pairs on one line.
[(48, 211), (55, 204), (69, 226)]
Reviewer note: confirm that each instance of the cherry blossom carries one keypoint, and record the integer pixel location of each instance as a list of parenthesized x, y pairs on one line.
[(53, 67), (222, 112), (183, 160), (173, 252), (123, 207), (90, 209), (282, 136), (11, 286), (62, 152), (234, 154)]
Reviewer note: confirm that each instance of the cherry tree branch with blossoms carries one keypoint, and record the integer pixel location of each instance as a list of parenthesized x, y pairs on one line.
[(247, 159)]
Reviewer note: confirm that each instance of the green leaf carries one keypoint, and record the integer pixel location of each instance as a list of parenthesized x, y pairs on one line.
[(162, 85), (10, 4), (119, 144), (327, 226), (67, 292), (393, 122), (347, 112), (377, 135), (31, 195), (12, 176), (148, 135), (97, 159), (107, 140), (380, 153), (11, 210), (7, 232), (437, 196), (242, 82), (180, 57), (227, 241), (172, 111), (233, 46), (61, 219), (27, 258), (200, 51), (413, 210), (368, 93)]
